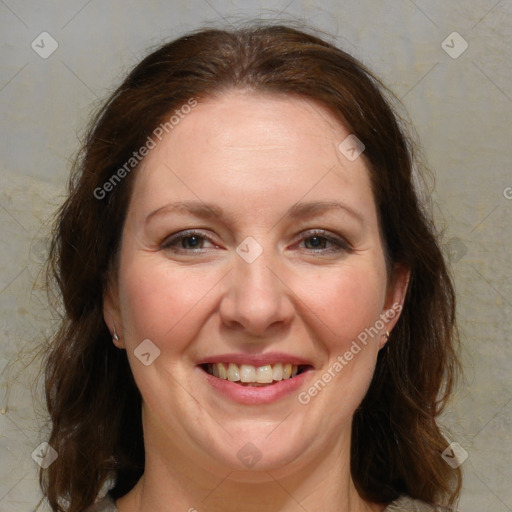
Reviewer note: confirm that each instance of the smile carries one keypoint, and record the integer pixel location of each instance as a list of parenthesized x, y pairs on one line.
[(250, 375)]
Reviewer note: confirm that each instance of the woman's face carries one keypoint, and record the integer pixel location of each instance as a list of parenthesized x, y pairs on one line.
[(252, 241)]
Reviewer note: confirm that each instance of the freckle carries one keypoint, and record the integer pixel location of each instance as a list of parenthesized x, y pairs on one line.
[(22, 311)]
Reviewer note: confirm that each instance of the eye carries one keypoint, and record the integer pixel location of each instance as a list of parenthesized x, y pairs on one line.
[(316, 242), (186, 241), (319, 241)]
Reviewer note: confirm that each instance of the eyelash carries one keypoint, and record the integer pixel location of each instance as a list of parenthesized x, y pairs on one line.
[(338, 243)]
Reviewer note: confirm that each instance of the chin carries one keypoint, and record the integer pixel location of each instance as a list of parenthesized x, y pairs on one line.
[(258, 461)]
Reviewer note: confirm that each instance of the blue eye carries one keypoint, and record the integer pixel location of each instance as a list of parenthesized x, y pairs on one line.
[(187, 241), (194, 241), (321, 243), (317, 242)]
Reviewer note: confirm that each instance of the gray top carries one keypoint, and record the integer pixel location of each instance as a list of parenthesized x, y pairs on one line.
[(402, 504)]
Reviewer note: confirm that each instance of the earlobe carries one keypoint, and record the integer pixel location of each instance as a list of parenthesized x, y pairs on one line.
[(384, 339), (395, 299), (111, 314), (398, 288), (115, 337)]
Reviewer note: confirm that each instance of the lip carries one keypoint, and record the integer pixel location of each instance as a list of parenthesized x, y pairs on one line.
[(250, 395), (256, 359)]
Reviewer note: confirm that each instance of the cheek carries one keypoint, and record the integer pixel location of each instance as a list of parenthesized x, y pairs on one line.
[(346, 305), (168, 308), (161, 304), (347, 301)]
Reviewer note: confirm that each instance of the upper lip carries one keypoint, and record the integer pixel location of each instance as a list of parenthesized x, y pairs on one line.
[(255, 359)]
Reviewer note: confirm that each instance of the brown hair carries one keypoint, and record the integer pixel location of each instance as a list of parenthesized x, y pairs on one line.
[(93, 402)]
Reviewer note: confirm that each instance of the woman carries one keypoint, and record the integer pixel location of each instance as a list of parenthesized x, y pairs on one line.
[(257, 311)]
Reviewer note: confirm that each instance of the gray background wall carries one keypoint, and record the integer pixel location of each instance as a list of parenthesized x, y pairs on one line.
[(460, 102)]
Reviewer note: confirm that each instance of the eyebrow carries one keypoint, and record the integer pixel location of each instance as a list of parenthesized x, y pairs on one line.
[(300, 210), (207, 211), (196, 208)]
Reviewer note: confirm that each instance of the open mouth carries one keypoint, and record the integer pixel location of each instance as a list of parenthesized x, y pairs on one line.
[(257, 376)]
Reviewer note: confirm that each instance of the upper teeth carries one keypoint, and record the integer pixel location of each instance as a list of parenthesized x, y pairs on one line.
[(248, 373)]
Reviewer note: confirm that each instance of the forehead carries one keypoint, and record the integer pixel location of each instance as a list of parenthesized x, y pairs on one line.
[(262, 149)]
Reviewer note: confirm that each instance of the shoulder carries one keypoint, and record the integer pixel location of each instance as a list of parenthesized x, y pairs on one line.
[(106, 504), (407, 504)]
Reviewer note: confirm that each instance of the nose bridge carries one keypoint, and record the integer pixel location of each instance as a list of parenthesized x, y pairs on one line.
[(256, 275), (256, 298)]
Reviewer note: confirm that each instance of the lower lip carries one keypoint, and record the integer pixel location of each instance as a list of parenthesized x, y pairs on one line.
[(256, 395)]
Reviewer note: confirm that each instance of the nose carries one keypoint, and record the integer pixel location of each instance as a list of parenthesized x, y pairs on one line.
[(258, 300)]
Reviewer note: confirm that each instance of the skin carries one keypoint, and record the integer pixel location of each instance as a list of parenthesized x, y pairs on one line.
[(254, 156)]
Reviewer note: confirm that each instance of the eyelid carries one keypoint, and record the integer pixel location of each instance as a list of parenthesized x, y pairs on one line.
[(340, 242), (337, 240), (168, 241)]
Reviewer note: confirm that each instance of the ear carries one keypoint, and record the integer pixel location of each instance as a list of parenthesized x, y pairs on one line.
[(111, 313), (395, 297)]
